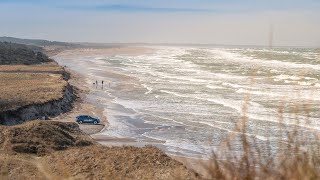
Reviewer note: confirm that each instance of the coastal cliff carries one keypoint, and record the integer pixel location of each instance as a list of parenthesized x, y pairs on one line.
[(39, 111), (32, 85)]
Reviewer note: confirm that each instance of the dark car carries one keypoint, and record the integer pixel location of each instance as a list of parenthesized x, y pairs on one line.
[(87, 119)]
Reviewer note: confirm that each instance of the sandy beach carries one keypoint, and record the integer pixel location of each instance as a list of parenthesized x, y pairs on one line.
[(85, 104), (82, 106), (88, 105)]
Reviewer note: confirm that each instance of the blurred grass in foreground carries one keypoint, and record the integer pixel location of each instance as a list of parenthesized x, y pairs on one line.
[(297, 156)]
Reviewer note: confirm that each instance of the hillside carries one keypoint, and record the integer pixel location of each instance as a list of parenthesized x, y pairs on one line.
[(56, 150), (34, 42), (42, 137), (11, 53)]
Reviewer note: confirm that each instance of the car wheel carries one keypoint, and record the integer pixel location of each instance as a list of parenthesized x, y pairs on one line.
[(80, 122), (95, 122)]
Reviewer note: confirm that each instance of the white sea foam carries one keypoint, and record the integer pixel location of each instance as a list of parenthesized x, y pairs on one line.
[(174, 93), (237, 86), (305, 83), (275, 71), (184, 146), (231, 131), (214, 87), (148, 88), (100, 58), (285, 77)]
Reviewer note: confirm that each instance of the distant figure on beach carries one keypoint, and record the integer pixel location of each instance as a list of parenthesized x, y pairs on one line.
[(94, 84), (102, 84)]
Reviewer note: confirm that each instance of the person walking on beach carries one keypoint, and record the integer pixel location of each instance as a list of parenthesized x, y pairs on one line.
[(102, 84), (96, 83)]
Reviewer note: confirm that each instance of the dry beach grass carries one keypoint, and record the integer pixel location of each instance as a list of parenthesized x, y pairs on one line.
[(22, 85), (43, 150)]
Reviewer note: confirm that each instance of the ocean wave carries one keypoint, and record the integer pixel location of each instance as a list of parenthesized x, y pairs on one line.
[(214, 87), (148, 88), (263, 138), (285, 76), (241, 59), (237, 86), (175, 93), (99, 58), (296, 95), (305, 83)]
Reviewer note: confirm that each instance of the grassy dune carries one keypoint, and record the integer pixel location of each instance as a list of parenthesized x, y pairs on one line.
[(56, 150), (25, 85), (27, 76), (46, 67)]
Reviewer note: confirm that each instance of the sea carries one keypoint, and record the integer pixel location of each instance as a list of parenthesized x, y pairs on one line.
[(188, 100)]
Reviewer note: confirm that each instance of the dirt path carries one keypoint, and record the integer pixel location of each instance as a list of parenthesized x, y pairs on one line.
[(28, 162)]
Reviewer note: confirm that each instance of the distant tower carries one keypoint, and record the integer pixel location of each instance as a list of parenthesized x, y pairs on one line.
[(271, 36)]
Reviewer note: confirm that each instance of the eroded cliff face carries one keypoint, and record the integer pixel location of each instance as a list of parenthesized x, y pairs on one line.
[(39, 111)]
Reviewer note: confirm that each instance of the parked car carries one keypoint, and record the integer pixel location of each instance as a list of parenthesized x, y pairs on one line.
[(87, 119)]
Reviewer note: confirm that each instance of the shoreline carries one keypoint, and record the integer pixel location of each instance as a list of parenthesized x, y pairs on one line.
[(49, 149), (84, 104)]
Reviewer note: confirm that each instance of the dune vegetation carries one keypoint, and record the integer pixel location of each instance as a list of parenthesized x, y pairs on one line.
[(28, 77), (22, 89), (58, 150)]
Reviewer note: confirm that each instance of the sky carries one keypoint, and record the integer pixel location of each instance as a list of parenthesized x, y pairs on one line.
[(229, 22)]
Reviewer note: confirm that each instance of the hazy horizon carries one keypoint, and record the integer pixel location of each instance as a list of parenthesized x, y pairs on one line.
[(295, 23)]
